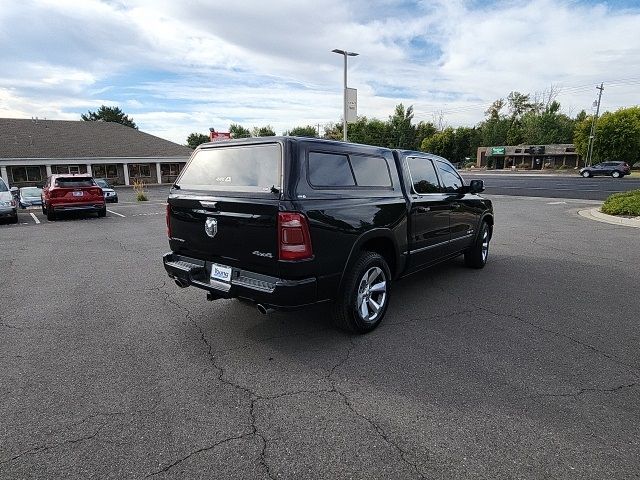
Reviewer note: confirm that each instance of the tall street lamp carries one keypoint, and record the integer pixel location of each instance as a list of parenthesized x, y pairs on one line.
[(344, 106)]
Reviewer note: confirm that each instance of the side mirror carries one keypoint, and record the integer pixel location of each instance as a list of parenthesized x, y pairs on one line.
[(476, 186), (15, 191)]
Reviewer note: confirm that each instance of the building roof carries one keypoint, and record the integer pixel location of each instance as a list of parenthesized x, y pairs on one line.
[(27, 138)]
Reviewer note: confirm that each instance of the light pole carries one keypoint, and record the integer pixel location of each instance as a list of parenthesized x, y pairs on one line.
[(344, 106)]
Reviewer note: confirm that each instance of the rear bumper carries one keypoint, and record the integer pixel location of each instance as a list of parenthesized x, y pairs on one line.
[(75, 207), (270, 291)]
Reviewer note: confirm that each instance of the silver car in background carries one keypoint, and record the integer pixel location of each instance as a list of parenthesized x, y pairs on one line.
[(30, 196), (8, 204)]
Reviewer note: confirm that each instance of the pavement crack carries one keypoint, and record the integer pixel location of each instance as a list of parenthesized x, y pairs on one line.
[(195, 452), (404, 455), (334, 389), (583, 391), (607, 355), (253, 397)]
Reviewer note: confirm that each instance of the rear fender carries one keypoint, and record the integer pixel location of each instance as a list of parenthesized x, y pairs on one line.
[(379, 236)]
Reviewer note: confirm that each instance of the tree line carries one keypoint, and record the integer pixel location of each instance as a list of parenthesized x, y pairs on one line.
[(520, 119)]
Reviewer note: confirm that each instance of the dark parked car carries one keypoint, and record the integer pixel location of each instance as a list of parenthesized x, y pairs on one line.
[(614, 169), (110, 194), (30, 196), (289, 222), (8, 204)]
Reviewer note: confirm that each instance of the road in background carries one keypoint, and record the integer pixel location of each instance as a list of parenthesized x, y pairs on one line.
[(550, 185), (528, 368)]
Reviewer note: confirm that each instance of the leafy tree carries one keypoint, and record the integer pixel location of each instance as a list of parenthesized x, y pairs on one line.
[(266, 131), (109, 114), (238, 131), (581, 116), (617, 136), (369, 131), (454, 145), (402, 133), (306, 131), (423, 130), (581, 134), (195, 139), (333, 131)]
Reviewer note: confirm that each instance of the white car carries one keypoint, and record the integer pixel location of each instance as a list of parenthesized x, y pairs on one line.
[(8, 204)]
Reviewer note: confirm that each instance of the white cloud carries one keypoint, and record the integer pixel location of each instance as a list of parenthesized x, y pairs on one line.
[(181, 67)]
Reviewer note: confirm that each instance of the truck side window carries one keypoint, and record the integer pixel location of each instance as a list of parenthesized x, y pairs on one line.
[(330, 170), (370, 171), (423, 175), (451, 181)]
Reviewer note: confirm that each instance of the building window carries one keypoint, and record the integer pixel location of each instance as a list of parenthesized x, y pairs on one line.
[(518, 150), (170, 169), (105, 171), (138, 170), (26, 174), (65, 169), (570, 149)]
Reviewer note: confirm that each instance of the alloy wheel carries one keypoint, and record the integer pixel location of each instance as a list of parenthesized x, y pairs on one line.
[(372, 294)]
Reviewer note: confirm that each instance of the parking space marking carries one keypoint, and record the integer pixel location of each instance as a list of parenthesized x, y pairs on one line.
[(115, 213), (35, 219)]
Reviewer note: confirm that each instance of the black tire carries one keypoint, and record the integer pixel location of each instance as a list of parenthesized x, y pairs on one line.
[(586, 174), (616, 174), (44, 210), (478, 254), (102, 212), (51, 216), (370, 269), (14, 219)]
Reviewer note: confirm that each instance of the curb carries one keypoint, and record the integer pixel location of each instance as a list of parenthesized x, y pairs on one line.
[(598, 216)]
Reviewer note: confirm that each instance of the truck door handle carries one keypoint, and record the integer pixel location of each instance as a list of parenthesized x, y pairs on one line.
[(423, 209)]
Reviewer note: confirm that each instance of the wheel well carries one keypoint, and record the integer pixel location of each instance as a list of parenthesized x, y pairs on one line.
[(384, 247)]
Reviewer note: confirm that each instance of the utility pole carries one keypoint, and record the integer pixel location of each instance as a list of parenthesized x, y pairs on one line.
[(592, 135)]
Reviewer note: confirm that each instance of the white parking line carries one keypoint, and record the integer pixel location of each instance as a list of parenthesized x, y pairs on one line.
[(35, 219), (115, 213)]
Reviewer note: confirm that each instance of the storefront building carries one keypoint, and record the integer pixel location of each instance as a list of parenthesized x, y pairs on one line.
[(31, 150), (531, 157)]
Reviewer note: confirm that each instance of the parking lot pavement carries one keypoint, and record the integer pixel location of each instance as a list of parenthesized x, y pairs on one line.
[(526, 369)]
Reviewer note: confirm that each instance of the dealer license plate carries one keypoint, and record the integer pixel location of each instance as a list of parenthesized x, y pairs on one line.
[(78, 194), (220, 273)]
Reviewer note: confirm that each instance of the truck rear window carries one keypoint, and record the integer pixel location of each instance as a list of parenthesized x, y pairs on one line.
[(242, 168), (328, 170)]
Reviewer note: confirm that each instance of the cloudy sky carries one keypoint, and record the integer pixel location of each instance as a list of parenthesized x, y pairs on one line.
[(182, 67)]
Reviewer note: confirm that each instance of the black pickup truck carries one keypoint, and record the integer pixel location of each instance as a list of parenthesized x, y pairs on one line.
[(288, 222)]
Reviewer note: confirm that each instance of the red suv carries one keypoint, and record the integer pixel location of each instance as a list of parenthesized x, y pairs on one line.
[(72, 192)]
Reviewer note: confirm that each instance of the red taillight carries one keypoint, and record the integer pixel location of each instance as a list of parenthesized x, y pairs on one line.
[(293, 237), (97, 192), (168, 219)]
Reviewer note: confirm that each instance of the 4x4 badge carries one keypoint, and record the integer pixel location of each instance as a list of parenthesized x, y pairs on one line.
[(211, 227)]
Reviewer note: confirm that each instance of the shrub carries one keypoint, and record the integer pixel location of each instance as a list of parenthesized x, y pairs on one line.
[(625, 203), (564, 167), (138, 187)]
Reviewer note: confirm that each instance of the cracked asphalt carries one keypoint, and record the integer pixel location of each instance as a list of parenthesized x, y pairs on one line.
[(528, 368)]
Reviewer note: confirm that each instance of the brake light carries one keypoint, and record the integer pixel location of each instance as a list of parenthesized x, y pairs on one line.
[(294, 241), (168, 220), (55, 193), (96, 191)]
